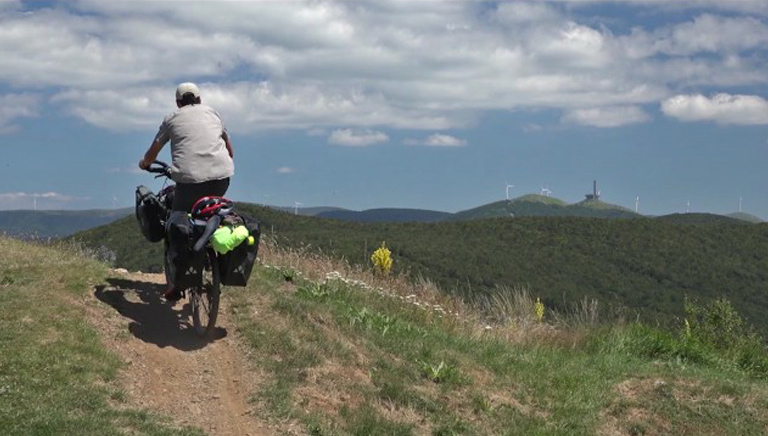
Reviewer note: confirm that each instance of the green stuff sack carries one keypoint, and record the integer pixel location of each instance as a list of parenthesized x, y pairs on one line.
[(226, 238)]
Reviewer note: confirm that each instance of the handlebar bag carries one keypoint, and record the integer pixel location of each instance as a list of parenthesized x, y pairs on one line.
[(235, 266), (150, 214)]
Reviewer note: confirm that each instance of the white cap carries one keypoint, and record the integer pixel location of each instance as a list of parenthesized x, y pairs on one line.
[(187, 87)]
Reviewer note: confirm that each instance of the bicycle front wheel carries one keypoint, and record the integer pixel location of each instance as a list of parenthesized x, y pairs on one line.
[(205, 298)]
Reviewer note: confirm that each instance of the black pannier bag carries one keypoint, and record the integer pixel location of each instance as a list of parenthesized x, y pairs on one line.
[(235, 267), (183, 266), (150, 214), (191, 274)]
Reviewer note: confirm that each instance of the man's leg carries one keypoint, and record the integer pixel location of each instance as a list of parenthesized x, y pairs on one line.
[(177, 253)]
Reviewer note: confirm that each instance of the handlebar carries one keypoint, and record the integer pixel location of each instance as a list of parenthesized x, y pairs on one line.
[(210, 227), (160, 168)]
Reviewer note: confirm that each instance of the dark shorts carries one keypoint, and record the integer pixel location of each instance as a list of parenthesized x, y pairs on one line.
[(188, 193)]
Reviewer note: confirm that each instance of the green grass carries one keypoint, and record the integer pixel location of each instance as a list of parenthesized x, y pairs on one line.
[(346, 361), (343, 360), (56, 378)]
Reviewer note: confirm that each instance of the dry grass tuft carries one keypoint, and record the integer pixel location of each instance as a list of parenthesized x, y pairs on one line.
[(506, 313), (314, 265)]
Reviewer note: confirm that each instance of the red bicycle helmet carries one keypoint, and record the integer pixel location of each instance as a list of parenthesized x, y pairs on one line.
[(207, 207)]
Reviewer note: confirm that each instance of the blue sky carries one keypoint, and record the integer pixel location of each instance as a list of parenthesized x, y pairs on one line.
[(423, 104)]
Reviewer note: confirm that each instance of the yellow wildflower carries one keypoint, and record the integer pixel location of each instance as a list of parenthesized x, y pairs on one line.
[(382, 260), (538, 309)]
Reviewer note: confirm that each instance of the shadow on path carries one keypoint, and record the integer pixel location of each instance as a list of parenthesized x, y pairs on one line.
[(154, 320)]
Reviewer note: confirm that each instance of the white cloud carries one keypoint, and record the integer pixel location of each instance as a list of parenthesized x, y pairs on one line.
[(437, 140), (14, 106), (123, 110), (130, 169), (317, 131), (57, 48), (706, 33), (361, 138), (30, 200), (412, 65), (753, 6), (440, 140), (526, 12), (607, 117), (532, 128), (720, 108), (248, 107), (9, 4), (285, 170)]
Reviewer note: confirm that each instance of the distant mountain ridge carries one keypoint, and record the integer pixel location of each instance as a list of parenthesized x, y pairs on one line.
[(62, 223), (526, 205), (56, 223), (529, 205)]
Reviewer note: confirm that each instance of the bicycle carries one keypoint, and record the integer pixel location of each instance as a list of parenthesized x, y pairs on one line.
[(205, 293)]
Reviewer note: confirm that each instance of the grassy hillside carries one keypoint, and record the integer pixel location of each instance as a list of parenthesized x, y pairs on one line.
[(56, 377), (122, 244), (651, 266), (55, 223), (337, 358), (539, 205), (346, 360), (745, 217), (605, 210)]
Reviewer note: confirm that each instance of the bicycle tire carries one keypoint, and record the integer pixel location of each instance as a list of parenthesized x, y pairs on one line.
[(204, 299)]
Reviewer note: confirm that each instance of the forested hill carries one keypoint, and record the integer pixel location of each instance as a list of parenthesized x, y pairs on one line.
[(539, 205), (703, 218), (387, 215), (648, 265)]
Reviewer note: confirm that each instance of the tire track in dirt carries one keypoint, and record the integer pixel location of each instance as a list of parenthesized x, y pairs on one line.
[(169, 370)]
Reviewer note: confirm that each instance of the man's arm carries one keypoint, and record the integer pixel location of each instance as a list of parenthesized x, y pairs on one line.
[(151, 154), (228, 144)]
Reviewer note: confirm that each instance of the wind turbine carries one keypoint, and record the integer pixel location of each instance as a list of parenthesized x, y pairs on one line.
[(637, 204), (508, 188), (688, 207), (740, 200), (34, 201), (296, 205), (114, 202)]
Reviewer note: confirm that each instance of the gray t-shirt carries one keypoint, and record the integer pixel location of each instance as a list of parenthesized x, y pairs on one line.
[(198, 151)]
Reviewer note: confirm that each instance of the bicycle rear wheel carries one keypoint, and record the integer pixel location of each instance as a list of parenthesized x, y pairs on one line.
[(205, 299)]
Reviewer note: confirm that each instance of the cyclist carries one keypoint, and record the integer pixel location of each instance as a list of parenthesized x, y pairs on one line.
[(202, 164)]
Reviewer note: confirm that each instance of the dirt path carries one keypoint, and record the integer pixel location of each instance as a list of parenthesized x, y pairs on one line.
[(169, 370)]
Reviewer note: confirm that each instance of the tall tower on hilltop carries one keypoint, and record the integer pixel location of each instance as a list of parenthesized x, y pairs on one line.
[(595, 195)]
